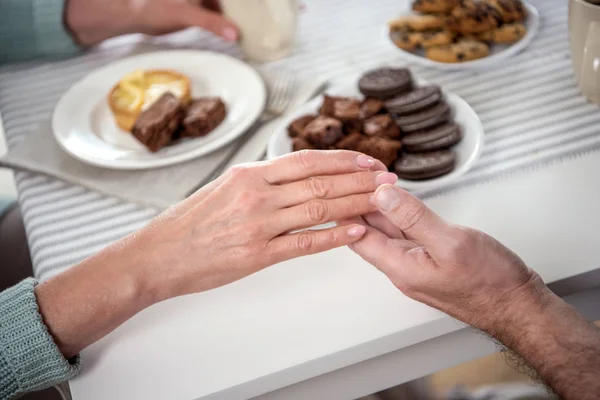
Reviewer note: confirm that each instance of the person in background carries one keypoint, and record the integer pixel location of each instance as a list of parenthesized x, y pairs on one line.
[(57, 28)]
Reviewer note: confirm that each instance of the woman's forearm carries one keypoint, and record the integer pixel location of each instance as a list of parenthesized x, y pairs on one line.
[(90, 300)]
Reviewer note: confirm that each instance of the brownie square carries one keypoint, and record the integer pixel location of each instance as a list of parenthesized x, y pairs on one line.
[(381, 125), (382, 149), (155, 126), (202, 116), (296, 127), (323, 132)]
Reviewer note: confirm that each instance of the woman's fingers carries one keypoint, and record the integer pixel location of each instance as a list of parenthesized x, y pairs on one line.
[(331, 187), (382, 224), (303, 243), (317, 212), (307, 163)]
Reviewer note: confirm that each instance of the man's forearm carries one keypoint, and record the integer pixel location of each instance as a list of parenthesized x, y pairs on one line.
[(557, 341)]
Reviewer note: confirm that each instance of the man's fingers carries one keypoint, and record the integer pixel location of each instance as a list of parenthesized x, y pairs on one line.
[(307, 163), (211, 21), (331, 187), (409, 214), (317, 212), (382, 224), (303, 243)]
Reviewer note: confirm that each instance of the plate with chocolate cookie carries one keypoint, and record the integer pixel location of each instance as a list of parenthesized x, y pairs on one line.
[(454, 34), (158, 109), (426, 135)]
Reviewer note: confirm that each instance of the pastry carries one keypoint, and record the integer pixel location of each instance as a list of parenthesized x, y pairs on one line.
[(463, 50), (202, 116), (415, 100), (380, 148), (156, 125), (381, 125), (350, 142), (299, 143), (136, 92), (424, 119), (510, 10), (507, 33), (473, 16), (438, 138), (434, 6), (418, 23), (370, 107), (385, 82), (323, 132), (297, 126), (425, 165)]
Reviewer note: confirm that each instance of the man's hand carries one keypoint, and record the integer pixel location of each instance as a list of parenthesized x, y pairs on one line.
[(474, 278), (458, 270), (92, 21)]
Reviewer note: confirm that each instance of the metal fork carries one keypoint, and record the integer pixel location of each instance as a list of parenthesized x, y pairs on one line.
[(281, 92)]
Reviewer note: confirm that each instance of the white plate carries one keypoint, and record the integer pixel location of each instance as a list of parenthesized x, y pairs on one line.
[(467, 151), (84, 126), (498, 52)]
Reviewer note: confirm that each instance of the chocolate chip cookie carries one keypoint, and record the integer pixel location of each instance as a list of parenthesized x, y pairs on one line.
[(461, 51), (418, 23), (434, 6), (509, 10), (408, 40), (473, 16), (384, 83), (425, 165), (507, 33)]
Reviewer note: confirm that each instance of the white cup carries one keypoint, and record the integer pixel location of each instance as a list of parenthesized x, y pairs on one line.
[(267, 27), (584, 34)]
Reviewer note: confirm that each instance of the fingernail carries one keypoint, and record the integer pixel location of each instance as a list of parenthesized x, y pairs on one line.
[(386, 177), (358, 230), (388, 198), (365, 161), (230, 34)]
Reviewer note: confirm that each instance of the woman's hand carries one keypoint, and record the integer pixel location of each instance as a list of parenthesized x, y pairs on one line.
[(239, 224), (92, 21)]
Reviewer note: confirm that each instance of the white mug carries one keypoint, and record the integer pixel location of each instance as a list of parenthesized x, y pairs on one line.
[(267, 27), (584, 33)]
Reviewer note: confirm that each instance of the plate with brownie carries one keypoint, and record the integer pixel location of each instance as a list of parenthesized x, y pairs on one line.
[(158, 109), (426, 135)]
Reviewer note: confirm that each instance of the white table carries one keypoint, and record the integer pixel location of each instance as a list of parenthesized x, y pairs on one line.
[(330, 325)]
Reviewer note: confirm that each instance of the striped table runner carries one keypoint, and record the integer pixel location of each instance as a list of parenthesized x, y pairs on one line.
[(531, 109)]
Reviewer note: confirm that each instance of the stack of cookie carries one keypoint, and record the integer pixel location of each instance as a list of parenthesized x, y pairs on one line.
[(453, 31), (408, 128)]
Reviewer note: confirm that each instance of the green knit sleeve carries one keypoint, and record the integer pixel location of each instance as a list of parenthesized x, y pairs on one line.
[(29, 358), (33, 28)]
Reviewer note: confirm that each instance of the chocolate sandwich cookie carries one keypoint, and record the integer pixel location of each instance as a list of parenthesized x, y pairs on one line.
[(323, 132), (202, 116), (424, 119), (384, 83), (381, 125), (438, 138), (385, 150), (370, 107), (155, 127), (425, 165), (415, 100), (296, 127)]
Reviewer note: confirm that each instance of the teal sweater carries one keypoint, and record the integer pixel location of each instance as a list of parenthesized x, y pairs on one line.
[(29, 358), (33, 28)]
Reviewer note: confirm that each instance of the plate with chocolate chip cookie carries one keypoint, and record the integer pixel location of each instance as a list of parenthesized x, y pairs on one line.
[(426, 135), (158, 109), (456, 34)]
